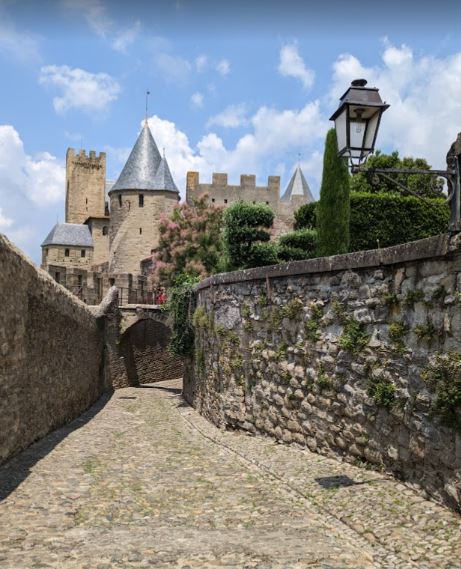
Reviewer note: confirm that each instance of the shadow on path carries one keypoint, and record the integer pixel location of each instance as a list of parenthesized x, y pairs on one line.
[(175, 390), (17, 469)]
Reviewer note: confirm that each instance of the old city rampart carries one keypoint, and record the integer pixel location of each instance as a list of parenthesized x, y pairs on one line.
[(58, 355), (337, 354)]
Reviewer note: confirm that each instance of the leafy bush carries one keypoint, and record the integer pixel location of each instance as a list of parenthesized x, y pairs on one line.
[(246, 235), (382, 220), (297, 245), (423, 185), (306, 216), (333, 210), (178, 306)]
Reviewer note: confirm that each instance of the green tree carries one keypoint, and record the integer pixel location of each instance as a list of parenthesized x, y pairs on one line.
[(190, 242), (297, 245), (247, 235), (420, 184), (333, 210)]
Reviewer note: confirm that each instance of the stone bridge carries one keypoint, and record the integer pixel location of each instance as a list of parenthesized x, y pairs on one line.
[(131, 314)]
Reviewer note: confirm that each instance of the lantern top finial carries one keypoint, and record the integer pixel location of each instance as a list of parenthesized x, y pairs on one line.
[(359, 82)]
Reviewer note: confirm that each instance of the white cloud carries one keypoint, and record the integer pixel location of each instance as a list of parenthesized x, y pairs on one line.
[(232, 116), (274, 136), (4, 220), (424, 94), (80, 89), (126, 37), (201, 63), (173, 68), (291, 64), (223, 67), (31, 192), (94, 12), (22, 47), (197, 100)]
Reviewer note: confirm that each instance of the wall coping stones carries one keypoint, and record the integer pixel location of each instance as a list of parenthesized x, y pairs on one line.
[(432, 247)]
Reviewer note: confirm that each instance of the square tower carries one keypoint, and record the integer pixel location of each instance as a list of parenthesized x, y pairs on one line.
[(85, 185)]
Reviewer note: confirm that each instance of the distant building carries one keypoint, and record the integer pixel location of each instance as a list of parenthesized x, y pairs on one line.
[(111, 228)]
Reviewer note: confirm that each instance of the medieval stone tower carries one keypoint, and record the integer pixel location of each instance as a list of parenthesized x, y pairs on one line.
[(85, 185), (144, 192)]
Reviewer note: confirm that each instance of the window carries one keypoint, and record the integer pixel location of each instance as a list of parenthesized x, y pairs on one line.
[(86, 200), (105, 230), (225, 201), (66, 252), (79, 280), (141, 200), (267, 203), (82, 253), (212, 200), (111, 282), (140, 231), (57, 277), (120, 200)]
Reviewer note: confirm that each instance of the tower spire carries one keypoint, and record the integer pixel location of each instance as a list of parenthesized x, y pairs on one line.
[(147, 107)]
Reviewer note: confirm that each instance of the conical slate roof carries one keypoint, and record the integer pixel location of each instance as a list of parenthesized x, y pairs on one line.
[(142, 164), (163, 178), (298, 186), (74, 234)]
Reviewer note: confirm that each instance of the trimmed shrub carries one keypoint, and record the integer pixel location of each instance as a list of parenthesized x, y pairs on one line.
[(333, 209), (297, 245), (391, 219), (306, 216), (246, 235), (382, 220)]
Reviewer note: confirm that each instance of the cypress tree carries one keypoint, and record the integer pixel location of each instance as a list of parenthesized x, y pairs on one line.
[(333, 210)]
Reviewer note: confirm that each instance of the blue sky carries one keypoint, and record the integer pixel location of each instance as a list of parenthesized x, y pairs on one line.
[(240, 87)]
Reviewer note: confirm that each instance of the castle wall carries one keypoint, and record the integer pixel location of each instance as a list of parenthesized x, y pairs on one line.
[(99, 229), (134, 230), (56, 255), (85, 185), (356, 355), (51, 353), (220, 193)]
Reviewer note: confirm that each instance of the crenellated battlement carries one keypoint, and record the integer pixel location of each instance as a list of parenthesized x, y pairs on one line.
[(81, 156)]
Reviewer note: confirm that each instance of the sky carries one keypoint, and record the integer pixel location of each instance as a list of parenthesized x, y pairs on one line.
[(237, 87)]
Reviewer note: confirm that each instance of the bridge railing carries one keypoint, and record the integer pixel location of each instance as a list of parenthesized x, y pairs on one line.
[(134, 296)]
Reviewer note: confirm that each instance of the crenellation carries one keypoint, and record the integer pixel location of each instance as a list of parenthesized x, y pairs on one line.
[(219, 179)]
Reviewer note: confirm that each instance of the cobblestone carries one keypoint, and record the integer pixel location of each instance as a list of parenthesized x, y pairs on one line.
[(141, 480)]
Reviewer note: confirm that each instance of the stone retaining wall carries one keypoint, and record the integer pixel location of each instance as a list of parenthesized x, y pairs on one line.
[(350, 355), (51, 353)]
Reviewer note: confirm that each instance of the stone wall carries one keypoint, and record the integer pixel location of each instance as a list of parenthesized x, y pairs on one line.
[(349, 355), (51, 353)]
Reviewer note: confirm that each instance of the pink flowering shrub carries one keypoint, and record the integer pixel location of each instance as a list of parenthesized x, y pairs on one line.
[(190, 242)]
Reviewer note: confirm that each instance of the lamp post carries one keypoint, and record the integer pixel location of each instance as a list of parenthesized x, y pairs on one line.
[(357, 122)]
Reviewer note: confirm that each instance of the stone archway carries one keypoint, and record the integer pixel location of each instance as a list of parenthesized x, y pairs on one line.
[(144, 349)]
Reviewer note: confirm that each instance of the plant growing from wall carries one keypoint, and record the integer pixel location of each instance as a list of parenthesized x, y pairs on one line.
[(354, 337), (413, 296), (178, 306), (333, 210), (397, 331), (382, 391), (247, 234), (443, 375), (311, 326), (427, 331), (190, 242)]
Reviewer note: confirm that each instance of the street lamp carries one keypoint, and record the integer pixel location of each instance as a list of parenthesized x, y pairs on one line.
[(357, 120)]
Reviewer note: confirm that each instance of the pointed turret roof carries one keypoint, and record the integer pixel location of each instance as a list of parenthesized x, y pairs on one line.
[(163, 178), (142, 164), (298, 186)]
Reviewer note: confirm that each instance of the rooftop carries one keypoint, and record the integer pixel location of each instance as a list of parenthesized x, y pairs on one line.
[(298, 186), (72, 234)]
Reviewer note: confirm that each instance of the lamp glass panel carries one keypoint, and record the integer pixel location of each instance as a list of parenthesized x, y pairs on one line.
[(371, 130), (357, 130), (341, 130)]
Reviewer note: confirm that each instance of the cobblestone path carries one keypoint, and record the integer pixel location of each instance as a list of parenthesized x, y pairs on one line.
[(141, 480)]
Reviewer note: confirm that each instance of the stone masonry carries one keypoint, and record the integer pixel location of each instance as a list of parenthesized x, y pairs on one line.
[(51, 353), (345, 355)]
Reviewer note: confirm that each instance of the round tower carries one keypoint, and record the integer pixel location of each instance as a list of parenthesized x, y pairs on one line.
[(144, 192)]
